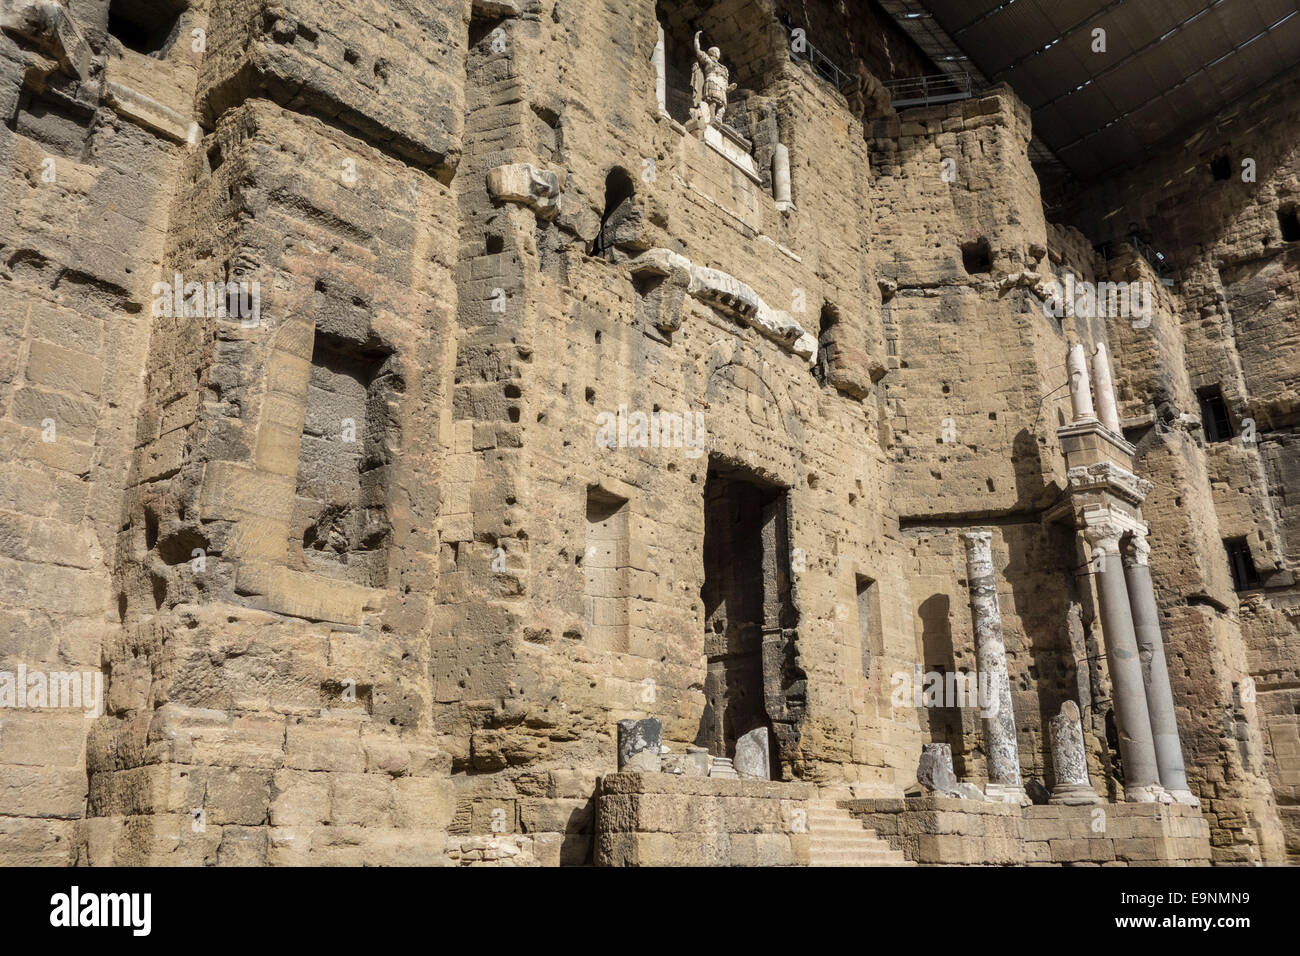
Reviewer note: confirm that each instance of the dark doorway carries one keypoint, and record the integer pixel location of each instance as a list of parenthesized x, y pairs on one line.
[(749, 612), (1214, 414)]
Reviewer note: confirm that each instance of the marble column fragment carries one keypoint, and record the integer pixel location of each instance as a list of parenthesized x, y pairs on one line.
[(1104, 384), (1132, 721), (995, 685), (1070, 759), (781, 176), (753, 755), (1155, 672), (1080, 392), (639, 742), (660, 60)]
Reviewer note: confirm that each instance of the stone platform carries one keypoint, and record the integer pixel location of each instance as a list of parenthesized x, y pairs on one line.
[(949, 831), (659, 819)]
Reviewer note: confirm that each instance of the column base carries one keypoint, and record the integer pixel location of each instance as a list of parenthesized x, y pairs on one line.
[(1153, 793), (1007, 793), (1073, 795), (1185, 797)]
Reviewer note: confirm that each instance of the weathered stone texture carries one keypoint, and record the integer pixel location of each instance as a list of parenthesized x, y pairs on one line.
[(372, 574)]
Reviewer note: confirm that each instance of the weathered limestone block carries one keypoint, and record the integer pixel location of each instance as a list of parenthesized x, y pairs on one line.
[(394, 74), (49, 24), (151, 114), (538, 189)]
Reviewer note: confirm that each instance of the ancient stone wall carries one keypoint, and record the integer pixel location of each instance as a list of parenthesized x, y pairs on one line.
[(539, 405), (1216, 208)]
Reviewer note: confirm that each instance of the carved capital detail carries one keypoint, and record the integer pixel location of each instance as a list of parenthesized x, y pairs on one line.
[(1138, 551), (1108, 476), (1104, 536)]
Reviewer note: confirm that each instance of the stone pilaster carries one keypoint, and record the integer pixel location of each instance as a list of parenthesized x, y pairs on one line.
[(991, 657), (1155, 673)]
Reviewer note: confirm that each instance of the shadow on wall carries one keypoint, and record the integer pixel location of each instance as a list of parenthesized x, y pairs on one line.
[(1032, 492)]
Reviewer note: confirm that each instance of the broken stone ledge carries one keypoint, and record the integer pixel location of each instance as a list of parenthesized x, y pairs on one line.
[(728, 294)]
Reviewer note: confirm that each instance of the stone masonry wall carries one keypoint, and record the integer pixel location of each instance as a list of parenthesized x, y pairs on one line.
[(371, 574)]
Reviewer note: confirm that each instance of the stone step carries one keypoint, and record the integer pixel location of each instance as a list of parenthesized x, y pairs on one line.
[(854, 858), (837, 838)]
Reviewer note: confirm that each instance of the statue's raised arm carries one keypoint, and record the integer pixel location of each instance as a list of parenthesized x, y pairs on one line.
[(699, 53)]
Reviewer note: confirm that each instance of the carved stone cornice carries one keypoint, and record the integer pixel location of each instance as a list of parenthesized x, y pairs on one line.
[(1108, 476)]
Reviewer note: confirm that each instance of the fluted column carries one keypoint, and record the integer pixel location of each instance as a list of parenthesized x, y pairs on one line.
[(1132, 721), (995, 684), (1155, 672)]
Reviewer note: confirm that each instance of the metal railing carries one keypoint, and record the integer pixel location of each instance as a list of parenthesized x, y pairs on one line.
[(926, 90), (822, 65), (1119, 248)]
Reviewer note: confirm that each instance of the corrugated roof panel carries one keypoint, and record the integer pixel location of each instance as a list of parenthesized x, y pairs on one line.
[(955, 14), (1057, 74), (1168, 64), (1011, 34)]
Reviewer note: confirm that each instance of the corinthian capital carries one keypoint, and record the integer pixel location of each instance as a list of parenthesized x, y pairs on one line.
[(1103, 536), (1138, 550)]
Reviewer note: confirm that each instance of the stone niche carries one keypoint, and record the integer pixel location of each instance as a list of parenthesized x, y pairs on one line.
[(340, 520)]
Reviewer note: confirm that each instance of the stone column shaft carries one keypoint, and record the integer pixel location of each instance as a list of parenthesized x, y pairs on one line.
[(1080, 392), (1141, 776), (660, 60), (1070, 759), (1104, 384), (781, 174), (1155, 672), (994, 682)]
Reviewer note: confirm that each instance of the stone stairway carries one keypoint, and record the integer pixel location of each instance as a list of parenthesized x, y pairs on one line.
[(840, 839)]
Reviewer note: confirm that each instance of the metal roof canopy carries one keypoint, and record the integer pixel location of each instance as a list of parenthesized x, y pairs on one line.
[(1168, 65)]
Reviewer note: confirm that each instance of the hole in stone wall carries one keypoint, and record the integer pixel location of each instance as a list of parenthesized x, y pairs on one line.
[(619, 194), (976, 257), (605, 569), (145, 26), (1221, 167), (1214, 414), (1289, 223), (340, 504), (869, 636), (826, 331), (481, 27), (494, 245), (1241, 564)]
